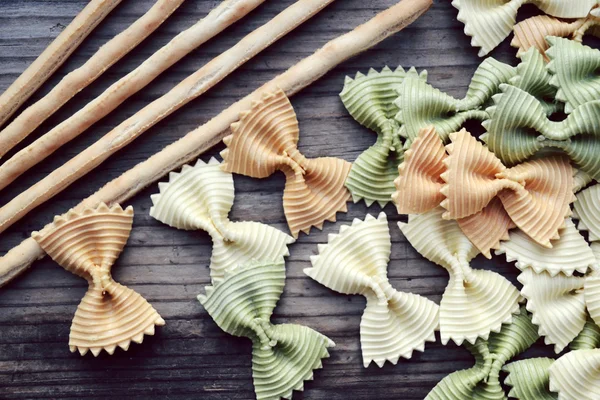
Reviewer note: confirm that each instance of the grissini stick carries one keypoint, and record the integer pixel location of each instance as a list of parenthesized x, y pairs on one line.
[(53, 57), (199, 140), (187, 90), (228, 12), (77, 80)]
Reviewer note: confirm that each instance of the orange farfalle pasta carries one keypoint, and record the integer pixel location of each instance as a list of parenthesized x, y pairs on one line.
[(265, 140), (419, 189), (87, 244), (532, 32), (486, 198), (419, 184)]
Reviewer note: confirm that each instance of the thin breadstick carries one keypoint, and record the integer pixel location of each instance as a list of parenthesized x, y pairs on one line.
[(228, 12), (199, 140), (187, 90), (83, 76), (53, 57)]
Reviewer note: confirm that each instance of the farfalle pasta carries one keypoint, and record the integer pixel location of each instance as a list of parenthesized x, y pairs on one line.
[(283, 355), (394, 323), (489, 22), (87, 244), (587, 211), (419, 104), (482, 381), (518, 129), (475, 302), (370, 100), (576, 375), (581, 180), (529, 379), (533, 31), (574, 69), (265, 140), (201, 197), (486, 198), (559, 303), (557, 299), (568, 254)]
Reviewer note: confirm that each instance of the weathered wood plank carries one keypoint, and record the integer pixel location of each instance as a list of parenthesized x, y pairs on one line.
[(190, 357)]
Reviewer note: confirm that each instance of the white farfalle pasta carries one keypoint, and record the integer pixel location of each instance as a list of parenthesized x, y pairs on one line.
[(559, 300), (576, 375), (557, 304), (355, 261), (489, 22), (475, 302), (568, 254), (581, 180), (587, 211), (201, 197)]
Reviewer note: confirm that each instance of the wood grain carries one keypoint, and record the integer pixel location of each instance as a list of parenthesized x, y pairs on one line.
[(191, 357)]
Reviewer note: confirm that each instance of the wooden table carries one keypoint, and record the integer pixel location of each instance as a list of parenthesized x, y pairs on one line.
[(191, 357)]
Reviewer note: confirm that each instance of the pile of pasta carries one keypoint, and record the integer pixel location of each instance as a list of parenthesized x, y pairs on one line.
[(523, 190), (248, 276), (490, 22)]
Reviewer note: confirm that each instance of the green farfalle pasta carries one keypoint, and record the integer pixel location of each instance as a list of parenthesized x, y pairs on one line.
[(420, 104), (574, 69), (200, 197), (588, 338), (283, 355), (482, 381), (534, 78), (518, 128), (529, 379), (369, 99), (489, 22)]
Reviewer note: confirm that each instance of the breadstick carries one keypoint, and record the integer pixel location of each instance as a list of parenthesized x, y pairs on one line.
[(228, 12), (199, 140), (53, 57), (187, 90), (83, 76)]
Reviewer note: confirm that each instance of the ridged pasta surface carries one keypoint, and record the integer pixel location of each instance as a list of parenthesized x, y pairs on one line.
[(568, 254), (587, 211), (370, 100), (482, 381), (529, 379), (576, 375), (283, 356), (475, 302), (489, 22), (265, 140), (394, 323), (200, 197), (574, 69), (536, 194), (87, 244), (518, 129), (557, 304)]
